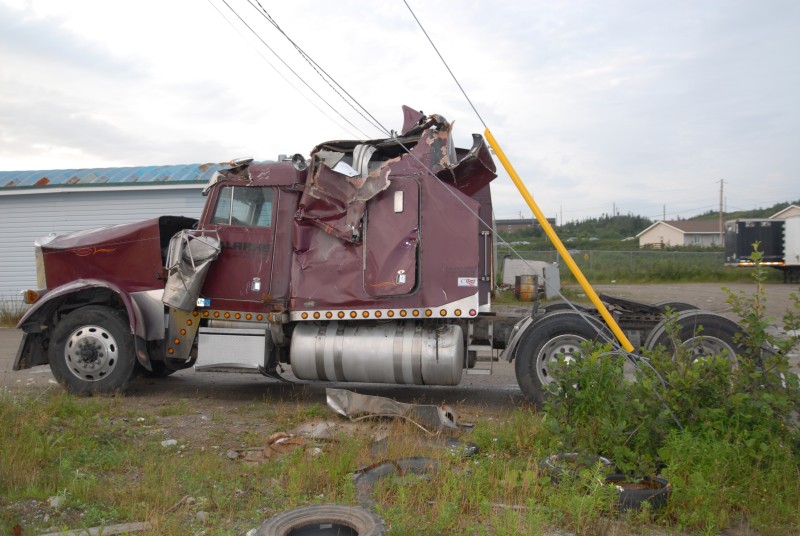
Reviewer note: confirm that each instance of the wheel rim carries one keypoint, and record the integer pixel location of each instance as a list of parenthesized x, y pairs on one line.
[(704, 347), (567, 345), (91, 353)]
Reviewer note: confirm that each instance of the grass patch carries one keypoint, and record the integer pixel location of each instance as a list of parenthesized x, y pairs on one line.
[(11, 311), (108, 465)]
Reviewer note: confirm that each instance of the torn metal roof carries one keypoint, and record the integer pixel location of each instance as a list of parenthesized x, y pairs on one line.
[(117, 176)]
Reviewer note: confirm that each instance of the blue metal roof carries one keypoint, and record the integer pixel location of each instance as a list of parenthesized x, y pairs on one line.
[(119, 176)]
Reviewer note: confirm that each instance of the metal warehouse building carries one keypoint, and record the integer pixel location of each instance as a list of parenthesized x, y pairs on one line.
[(34, 204)]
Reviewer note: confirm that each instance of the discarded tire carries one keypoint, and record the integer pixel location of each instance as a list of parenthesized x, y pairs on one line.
[(569, 464), (324, 520), (634, 492), (367, 478)]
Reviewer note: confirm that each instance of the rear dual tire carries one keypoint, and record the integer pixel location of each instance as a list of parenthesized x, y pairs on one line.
[(700, 333)]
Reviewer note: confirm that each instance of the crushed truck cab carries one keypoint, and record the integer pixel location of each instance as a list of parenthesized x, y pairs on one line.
[(370, 261), (366, 262)]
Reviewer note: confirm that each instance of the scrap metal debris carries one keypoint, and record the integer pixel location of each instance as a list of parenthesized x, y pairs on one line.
[(277, 444), (356, 406)]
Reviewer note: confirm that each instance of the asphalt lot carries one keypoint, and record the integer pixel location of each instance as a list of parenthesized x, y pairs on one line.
[(497, 391)]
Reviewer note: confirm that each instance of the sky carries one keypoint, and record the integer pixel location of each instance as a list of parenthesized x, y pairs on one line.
[(634, 106)]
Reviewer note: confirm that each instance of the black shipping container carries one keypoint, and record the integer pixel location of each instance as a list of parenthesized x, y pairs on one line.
[(740, 235)]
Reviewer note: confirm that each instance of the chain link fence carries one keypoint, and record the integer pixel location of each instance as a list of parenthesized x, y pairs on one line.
[(640, 265)]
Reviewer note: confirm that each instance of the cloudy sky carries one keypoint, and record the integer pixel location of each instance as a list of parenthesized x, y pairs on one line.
[(632, 105)]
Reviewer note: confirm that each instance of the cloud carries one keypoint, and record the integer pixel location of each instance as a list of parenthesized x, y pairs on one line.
[(637, 104)]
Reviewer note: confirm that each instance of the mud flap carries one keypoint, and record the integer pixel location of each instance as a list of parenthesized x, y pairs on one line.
[(31, 352)]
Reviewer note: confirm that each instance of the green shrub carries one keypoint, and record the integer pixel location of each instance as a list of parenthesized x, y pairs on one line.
[(716, 427)]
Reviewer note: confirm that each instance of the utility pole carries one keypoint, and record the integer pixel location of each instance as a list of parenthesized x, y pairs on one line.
[(721, 224)]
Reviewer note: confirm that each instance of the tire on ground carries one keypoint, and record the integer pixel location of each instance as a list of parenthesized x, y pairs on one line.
[(703, 333), (366, 480), (567, 465), (632, 495), (324, 520), (562, 332), (91, 351)]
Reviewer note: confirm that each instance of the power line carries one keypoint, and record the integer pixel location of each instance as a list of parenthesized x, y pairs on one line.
[(320, 71), (292, 70), (446, 66), (279, 73)]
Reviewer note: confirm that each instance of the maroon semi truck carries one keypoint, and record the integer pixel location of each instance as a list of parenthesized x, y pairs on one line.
[(372, 261)]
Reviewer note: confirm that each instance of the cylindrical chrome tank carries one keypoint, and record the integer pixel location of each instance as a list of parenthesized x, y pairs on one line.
[(391, 352)]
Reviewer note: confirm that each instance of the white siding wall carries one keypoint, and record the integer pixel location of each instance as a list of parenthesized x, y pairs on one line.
[(26, 217), (661, 234)]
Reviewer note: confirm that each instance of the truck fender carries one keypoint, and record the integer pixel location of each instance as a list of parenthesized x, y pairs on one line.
[(517, 332), (32, 340)]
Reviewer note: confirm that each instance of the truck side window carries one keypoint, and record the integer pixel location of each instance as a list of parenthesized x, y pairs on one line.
[(249, 206)]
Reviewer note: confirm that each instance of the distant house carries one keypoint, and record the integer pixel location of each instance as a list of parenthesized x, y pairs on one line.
[(680, 233), (791, 211)]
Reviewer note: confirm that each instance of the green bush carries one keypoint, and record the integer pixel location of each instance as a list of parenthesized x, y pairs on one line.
[(716, 426)]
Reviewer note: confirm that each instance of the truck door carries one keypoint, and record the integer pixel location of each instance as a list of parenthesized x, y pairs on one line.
[(392, 239), (244, 217)]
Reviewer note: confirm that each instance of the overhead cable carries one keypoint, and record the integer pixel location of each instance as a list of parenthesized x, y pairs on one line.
[(263, 57), (322, 73), (292, 70)]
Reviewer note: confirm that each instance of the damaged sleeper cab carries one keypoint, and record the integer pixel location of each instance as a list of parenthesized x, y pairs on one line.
[(366, 263)]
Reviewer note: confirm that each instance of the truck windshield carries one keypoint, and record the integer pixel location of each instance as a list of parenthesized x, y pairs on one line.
[(249, 206)]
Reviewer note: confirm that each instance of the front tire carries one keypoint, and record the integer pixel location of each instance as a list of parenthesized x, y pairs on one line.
[(92, 351), (553, 335)]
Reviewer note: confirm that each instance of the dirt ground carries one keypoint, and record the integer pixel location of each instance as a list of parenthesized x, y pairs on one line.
[(708, 296)]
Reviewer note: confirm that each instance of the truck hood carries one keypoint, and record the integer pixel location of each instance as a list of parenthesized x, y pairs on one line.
[(109, 234)]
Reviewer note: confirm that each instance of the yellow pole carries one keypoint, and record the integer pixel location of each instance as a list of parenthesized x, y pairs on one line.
[(548, 229)]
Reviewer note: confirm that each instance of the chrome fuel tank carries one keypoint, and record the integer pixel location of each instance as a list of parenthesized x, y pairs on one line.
[(390, 352)]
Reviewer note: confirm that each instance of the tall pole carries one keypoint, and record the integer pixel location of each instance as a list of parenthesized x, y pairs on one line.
[(721, 225), (559, 245)]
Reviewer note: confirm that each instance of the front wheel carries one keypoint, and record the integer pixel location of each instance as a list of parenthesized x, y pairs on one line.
[(91, 351), (552, 336)]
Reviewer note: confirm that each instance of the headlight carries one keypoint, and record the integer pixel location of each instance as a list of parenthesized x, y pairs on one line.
[(41, 278)]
